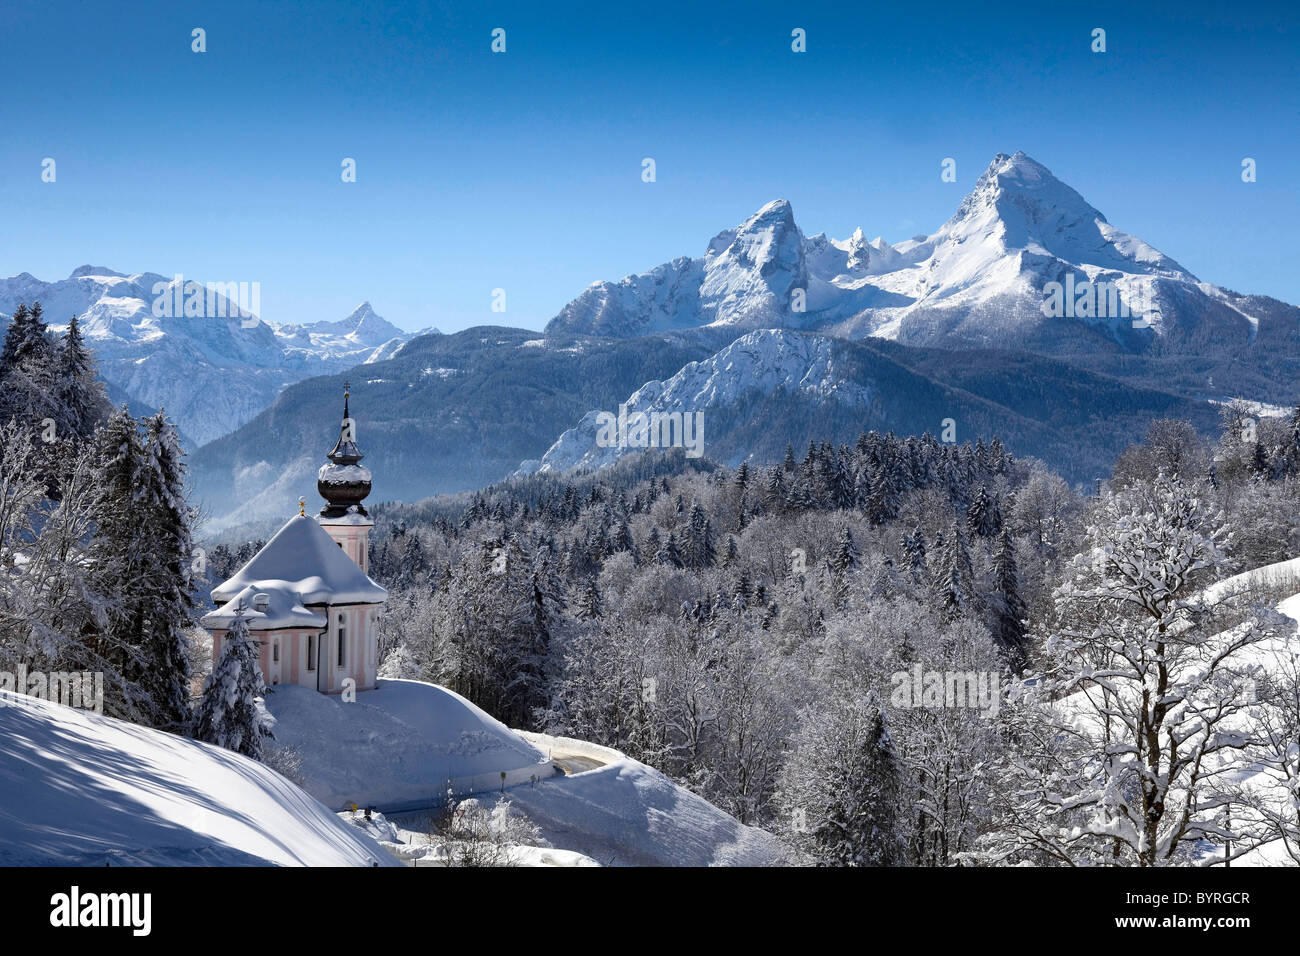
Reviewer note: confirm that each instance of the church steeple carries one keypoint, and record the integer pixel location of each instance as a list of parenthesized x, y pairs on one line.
[(344, 483)]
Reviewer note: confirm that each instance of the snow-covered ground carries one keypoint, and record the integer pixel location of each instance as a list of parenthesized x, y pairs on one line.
[(400, 746), (78, 789), (407, 838), (627, 814), (1263, 658)]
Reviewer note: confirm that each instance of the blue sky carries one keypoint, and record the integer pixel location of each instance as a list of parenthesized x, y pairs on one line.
[(522, 170)]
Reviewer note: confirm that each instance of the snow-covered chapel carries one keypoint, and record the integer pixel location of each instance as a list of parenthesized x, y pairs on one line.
[(306, 595)]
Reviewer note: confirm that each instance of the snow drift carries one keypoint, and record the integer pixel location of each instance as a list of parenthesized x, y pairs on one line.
[(628, 814), (78, 789), (400, 746)]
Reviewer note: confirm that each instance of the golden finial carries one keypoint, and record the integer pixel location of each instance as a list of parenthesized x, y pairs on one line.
[(302, 507)]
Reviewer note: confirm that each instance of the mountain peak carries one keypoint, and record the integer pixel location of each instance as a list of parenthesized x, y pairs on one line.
[(776, 209), (751, 271), (1019, 197), (89, 270), (360, 314), (1021, 173)]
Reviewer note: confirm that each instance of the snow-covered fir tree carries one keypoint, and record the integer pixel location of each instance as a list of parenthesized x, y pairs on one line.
[(840, 785), (231, 712)]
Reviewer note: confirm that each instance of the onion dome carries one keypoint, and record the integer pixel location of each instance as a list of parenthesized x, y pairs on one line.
[(343, 481)]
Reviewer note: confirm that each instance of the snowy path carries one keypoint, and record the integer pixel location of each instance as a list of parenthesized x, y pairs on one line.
[(571, 763)]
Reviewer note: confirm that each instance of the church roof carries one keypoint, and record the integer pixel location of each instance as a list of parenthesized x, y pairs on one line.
[(304, 559), (283, 608)]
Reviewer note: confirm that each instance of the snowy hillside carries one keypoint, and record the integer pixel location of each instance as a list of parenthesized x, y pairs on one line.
[(211, 374), (760, 361), (78, 789), (771, 387), (979, 279), (626, 813), (400, 746)]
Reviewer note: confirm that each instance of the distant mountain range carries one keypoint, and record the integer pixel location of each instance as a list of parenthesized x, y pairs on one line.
[(981, 280), (773, 336), (455, 412), (447, 413), (211, 374)]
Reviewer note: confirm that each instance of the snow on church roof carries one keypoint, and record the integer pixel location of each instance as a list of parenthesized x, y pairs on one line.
[(283, 608), (302, 559)]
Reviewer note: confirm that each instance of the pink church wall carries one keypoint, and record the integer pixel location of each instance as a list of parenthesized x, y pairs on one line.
[(359, 622)]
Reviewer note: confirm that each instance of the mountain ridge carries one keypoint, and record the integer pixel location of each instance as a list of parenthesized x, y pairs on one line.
[(211, 374), (983, 278)]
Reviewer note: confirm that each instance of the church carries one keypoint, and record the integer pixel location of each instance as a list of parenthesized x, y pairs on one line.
[(307, 596)]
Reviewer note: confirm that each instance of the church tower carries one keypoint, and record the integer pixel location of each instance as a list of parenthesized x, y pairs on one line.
[(344, 483)]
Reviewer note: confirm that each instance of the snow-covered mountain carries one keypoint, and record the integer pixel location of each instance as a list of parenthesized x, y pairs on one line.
[(760, 362), (211, 374), (770, 387), (981, 279), (746, 278)]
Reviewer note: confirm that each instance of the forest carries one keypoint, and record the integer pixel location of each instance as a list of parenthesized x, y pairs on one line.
[(741, 630)]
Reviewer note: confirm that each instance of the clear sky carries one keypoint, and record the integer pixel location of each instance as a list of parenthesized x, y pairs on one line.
[(522, 170)]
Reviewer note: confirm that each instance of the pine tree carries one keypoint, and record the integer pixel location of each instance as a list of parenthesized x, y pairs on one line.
[(1259, 466), (914, 549), (141, 555), (620, 537), (700, 552), (167, 582), (743, 591), (15, 336), (588, 605), (1010, 609), (412, 565), (741, 479), (79, 399), (954, 581), (984, 516), (116, 553), (231, 713), (774, 490), (846, 552), (26, 339), (788, 463), (840, 785), (27, 369), (670, 554), (882, 500)]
